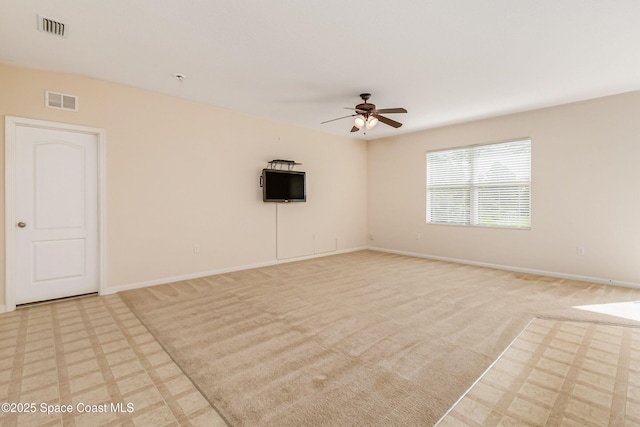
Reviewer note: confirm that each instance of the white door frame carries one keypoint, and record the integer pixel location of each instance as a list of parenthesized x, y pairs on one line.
[(11, 123)]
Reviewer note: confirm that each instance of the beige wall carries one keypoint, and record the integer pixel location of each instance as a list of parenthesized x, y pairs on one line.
[(180, 173), (586, 172)]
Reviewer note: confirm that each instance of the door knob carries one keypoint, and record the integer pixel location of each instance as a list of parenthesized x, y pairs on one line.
[(22, 224)]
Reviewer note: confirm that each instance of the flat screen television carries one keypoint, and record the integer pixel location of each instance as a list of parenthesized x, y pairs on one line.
[(283, 186)]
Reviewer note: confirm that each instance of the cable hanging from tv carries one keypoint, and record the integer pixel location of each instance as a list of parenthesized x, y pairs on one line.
[(281, 164)]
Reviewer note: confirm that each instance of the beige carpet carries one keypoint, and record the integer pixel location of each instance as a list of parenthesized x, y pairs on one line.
[(365, 338)]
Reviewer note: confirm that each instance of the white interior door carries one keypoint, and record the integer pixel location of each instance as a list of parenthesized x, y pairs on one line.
[(56, 214)]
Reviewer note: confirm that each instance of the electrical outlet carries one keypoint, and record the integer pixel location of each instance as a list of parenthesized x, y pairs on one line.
[(418, 236), (580, 251), (370, 236), (196, 249)]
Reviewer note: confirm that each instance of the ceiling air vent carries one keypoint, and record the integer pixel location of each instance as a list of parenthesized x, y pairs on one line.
[(62, 101), (51, 26)]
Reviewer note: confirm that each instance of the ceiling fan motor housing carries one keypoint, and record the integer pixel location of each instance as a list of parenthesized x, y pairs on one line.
[(366, 107)]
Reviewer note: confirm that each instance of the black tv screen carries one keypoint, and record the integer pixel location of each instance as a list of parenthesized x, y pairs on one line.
[(283, 186)]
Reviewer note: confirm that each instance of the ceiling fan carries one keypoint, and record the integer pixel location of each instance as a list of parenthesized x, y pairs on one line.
[(367, 116)]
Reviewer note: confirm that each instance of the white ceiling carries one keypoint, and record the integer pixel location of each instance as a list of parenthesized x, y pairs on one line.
[(302, 62)]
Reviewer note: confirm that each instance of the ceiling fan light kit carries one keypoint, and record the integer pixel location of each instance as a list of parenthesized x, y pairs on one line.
[(372, 121), (367, 116)]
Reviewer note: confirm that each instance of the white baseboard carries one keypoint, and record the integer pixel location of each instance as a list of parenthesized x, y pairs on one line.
[(515, 269), (130, 286)]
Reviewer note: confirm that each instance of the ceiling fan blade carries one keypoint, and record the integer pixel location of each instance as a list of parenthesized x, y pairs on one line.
[(392, 110), (357, 110), (388, 121), (354, 129), (339, 118)]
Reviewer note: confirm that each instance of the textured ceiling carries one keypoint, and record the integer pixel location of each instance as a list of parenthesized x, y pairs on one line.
[(302, 62)]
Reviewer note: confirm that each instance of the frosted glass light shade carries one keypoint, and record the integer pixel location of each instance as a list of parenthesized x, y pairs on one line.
[(371, 122)]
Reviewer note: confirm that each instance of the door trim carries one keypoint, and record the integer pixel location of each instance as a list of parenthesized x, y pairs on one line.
[(11, 123)]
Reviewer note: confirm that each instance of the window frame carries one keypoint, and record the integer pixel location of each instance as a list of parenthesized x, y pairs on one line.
[(473, 187)]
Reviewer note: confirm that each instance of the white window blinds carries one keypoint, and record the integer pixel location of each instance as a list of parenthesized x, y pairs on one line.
[(483, 185)]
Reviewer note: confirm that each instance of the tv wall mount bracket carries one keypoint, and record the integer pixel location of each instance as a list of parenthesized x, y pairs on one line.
[(282, 164)]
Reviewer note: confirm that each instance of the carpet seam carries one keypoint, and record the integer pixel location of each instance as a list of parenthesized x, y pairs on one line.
[(542, 317), (226, 421), (485, 372), (597, 322)]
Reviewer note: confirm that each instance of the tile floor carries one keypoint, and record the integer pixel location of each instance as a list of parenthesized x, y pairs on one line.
[(559, 373), (92, 352), (84, 355)]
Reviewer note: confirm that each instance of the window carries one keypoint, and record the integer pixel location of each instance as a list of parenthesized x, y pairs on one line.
[(482, 185)]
